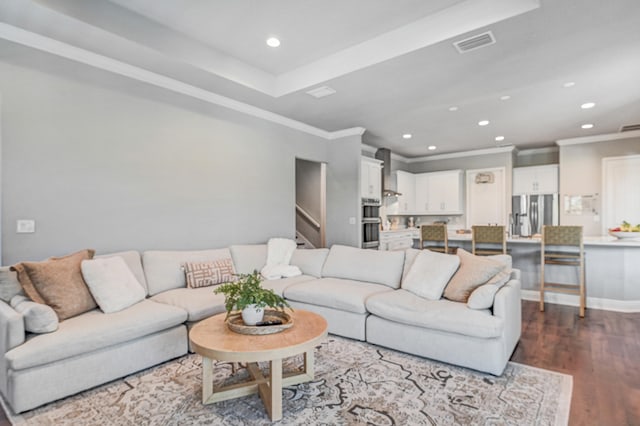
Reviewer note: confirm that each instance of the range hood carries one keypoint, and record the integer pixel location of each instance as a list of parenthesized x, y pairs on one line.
[(384, 154)]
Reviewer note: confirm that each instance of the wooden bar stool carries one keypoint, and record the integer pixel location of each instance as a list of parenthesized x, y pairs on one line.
[(436, 238), (569, 240), (493, 235)]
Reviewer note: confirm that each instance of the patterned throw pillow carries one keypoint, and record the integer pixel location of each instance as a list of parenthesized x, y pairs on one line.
[(204, 274)]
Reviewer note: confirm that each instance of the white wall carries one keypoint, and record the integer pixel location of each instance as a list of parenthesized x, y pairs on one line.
[(100, 162), (581, 174)]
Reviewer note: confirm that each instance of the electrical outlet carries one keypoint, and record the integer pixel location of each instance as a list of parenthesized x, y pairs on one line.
[(26, 226)]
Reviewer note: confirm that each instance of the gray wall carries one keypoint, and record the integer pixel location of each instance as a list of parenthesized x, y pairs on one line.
[(343, 191), (581, 174), (100, 162)]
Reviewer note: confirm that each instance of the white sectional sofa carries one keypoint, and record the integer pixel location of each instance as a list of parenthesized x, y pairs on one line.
[(358, 291)]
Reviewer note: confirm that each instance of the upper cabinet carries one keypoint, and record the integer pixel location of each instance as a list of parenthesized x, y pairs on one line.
[(437, 193), (370, 178), (535, 180), (406, 185)]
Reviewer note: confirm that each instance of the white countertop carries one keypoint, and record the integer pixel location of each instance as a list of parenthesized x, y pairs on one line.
[(602, 240)]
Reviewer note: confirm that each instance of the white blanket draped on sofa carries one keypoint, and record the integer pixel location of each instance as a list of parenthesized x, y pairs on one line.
[(279, 252)]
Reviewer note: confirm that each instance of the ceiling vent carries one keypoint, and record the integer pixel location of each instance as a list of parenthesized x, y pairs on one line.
[(629, 128), (475, 42), (321, 92)]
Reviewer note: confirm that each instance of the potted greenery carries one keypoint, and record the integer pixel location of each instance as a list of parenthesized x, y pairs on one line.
[(247, 295)]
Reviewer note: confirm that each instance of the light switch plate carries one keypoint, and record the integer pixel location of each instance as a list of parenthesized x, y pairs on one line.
[(26, 226), (352, 221)]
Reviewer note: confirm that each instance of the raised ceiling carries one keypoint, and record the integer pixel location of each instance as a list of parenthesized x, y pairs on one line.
[(391, 62)]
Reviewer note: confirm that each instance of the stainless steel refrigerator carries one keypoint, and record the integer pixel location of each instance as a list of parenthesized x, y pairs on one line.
[(530, 212)]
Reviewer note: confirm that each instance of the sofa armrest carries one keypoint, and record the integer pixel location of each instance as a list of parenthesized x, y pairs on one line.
[(12, 331), (508, 305)]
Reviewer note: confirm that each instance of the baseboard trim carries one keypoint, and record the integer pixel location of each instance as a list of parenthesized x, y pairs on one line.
[(627, 306)]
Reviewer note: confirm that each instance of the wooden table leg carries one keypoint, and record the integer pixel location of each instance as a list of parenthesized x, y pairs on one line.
[(207, 379), (271, 393)]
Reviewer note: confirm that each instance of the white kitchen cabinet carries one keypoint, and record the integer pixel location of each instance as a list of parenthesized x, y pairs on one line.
[(439, 193), (406, 185), (535, 180), (370, 178)]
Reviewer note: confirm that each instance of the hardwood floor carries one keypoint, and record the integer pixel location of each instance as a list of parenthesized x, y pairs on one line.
[(600, 351)]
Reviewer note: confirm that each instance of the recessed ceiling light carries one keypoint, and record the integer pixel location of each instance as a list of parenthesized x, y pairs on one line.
[(569, 84), (407, 136), (483, 122), (273, 42), (453, 108), (588, 105), (431, 147), (499, 138), (505, 97), (587, 126)]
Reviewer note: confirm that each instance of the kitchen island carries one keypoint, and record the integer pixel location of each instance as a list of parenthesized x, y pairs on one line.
[(612, 269)]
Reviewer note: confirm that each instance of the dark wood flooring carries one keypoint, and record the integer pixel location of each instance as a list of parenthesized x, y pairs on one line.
[(600, 351)]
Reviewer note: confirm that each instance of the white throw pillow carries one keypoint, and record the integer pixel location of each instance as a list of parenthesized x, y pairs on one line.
[(430, 273), (38, 318), (483, 296), (112, 284)]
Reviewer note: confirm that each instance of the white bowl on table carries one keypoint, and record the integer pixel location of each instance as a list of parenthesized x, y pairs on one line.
[(623, 235)]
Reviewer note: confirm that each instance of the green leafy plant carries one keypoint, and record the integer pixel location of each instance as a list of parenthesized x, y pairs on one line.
[(246, 290)]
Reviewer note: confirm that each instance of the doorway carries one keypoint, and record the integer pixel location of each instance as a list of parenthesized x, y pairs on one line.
[(310, 203)]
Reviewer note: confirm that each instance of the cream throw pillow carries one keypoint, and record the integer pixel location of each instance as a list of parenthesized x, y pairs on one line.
[(112, 284), (430, 273), (473, 272), (483, 296), (38, 318)]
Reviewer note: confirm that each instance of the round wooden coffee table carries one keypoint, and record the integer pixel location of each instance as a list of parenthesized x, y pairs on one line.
[(213, 340)]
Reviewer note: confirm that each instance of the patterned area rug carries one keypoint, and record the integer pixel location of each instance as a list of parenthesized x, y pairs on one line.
[(356, 384)]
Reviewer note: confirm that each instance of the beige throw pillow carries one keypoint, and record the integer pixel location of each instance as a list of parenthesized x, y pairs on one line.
[(204, 274), (112, 283), (483, 296), (430, 273), (58, 282), (473, 272)]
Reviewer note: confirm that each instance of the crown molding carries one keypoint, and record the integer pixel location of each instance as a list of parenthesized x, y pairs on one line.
[(64, 50), (473, 153), (353, 131), (598, 138)]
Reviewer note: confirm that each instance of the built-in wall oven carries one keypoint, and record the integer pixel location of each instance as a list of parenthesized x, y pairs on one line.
[(370, 223)]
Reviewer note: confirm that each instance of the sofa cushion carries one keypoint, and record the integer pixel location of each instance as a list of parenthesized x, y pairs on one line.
[(9, 284), (38, 318), (409, 257), (248, 258), (94, 330), (473, 272), (453, 317), (310, 261), (206, 274), (134, 262), (163, 268), (278, 286), (199, 303), (112, 283), (336, 293), (58, 282), (372, 266), (430, 273)]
